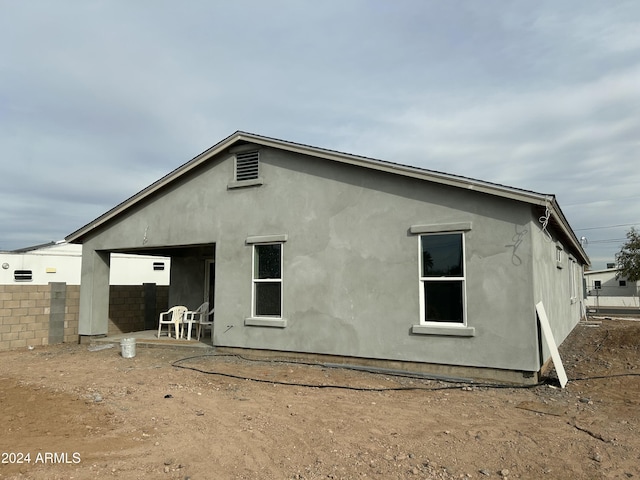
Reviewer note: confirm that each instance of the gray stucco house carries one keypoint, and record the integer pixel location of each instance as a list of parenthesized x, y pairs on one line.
[(310, 252)]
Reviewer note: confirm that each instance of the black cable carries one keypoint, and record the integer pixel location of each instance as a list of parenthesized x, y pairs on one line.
[(309, 385), (367, 389), (601, 377), (344, 387)]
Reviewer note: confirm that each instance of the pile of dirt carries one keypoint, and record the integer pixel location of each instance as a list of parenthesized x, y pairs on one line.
[(76, 413)]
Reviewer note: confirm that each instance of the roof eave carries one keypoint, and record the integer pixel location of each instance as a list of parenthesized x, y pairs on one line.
[(568, 232)]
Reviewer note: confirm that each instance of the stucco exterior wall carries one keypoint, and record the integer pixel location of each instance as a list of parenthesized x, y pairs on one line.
[(350, 263), (187, 282), (557, 280)]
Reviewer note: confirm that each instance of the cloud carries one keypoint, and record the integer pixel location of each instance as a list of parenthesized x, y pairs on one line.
[(100, 99)]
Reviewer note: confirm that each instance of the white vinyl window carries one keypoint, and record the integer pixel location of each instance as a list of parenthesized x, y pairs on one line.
[(267, 280), (559, 256), (442, 279), (573, 280)]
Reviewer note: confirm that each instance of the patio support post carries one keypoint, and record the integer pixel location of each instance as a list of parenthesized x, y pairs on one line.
[(94, 293)]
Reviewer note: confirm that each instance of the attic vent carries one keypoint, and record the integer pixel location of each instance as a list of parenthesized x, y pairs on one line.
[(247, 166), (23, 275)]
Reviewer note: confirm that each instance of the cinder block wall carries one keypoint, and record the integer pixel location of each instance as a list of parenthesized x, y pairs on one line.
[(48, 314), (162, 302), (33, 315), (72, 314), (127, 308)]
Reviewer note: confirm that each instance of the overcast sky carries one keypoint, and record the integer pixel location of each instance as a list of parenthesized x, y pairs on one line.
[(98, 99)]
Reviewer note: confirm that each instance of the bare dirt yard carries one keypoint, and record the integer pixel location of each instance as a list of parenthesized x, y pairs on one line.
[(71, 413)]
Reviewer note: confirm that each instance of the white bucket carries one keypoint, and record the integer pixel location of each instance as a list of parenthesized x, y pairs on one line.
[(128, 346)]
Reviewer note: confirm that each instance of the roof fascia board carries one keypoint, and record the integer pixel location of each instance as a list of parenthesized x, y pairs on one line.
[(555, 210), (405, 170)]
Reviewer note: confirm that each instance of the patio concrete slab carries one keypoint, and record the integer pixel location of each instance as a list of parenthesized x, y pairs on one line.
[(148, 338)]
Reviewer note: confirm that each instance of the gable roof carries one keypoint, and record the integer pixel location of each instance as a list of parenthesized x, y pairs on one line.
[(545, 201)]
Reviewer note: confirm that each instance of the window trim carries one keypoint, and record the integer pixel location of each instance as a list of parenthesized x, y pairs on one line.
[(422, 280), (424, 327), (459, 331), (264, 320), (267, 239), (245, 183), (441, 228)]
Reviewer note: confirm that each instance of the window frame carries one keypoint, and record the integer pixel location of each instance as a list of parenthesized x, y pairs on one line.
[(255, 281), (573, 280), (266, 320), (425, 279), (559, 256)]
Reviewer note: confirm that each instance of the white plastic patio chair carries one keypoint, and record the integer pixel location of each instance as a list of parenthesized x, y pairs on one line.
[(204, 321), (174, 317), (194, 316)]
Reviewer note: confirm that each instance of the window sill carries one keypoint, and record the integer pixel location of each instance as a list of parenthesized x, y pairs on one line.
[(267, 239), (444, 331), (439, 228), (245, 183), (265, 322)]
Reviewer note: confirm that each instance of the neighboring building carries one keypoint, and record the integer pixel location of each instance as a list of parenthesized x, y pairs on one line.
[(608, 293), (307, 251), (62, 262)]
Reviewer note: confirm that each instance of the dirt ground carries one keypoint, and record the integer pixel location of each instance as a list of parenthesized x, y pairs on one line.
[(71, 413)]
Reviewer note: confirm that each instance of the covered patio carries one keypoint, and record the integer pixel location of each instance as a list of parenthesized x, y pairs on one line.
[(132, 311)]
